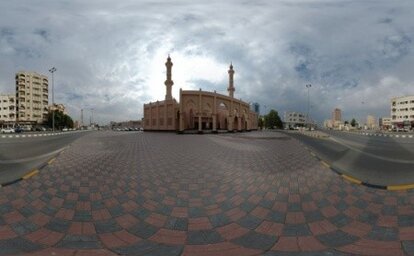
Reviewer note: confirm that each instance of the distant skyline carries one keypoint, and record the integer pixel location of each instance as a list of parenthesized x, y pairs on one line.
[(110, 55)]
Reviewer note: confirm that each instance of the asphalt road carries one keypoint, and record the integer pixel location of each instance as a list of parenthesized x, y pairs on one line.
[(19, 156), (376, 160)]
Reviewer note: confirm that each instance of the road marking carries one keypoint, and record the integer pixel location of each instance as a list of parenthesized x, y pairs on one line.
[(313, 154), (400, 187), (30, 174), (325, 164), (351, 179), (51, 160), (32, 158), (341, 141)]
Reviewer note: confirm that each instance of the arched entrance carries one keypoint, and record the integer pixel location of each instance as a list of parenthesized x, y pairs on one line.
[(236, 123)]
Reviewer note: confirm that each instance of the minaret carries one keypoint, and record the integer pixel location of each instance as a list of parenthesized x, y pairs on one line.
[(231, 89), (168, 83)]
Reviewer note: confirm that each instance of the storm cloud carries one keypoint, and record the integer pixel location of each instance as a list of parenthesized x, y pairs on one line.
[(110, 55)]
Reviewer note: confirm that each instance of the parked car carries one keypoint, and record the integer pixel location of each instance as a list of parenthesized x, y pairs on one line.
[(64, 129), (18, 130), (7, 130)]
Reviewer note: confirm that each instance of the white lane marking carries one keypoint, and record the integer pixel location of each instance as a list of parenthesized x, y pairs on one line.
[(31, 158), (340, 141)]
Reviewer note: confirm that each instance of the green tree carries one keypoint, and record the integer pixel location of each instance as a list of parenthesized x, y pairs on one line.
[(61, 120), (346, 122), (260, 122), (272, 120), (353, 122)]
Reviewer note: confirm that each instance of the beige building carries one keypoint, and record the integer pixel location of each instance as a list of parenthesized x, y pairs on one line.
[(58, 108), (371, 122), (32, 93), (328, 124), (7, 110), (199, 110), (385, 123), (337, 115), (294, 119), (402, 112)]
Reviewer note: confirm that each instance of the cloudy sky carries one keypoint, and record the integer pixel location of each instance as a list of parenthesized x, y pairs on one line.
[(110, 55)]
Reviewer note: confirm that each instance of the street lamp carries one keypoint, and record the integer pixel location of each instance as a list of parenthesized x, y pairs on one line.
[(307, 116), (52, 70), (91, 117)]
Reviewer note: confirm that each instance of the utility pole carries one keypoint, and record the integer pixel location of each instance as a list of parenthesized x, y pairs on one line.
[(81, 117), (307, 115), (53, 70), (91, 117)]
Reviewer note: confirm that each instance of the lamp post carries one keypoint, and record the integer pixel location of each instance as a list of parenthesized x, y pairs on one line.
[(53, 70), (91, 118), (307, 115), (81, 124)]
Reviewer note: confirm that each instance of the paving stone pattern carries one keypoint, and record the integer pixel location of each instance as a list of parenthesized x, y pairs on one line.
[(258, 193)]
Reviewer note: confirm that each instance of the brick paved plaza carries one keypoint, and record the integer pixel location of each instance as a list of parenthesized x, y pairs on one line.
[(146, 193)]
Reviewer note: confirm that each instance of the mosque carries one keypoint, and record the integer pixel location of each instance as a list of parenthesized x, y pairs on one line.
[(199, 110)]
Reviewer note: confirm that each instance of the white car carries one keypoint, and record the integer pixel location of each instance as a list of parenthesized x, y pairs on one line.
[(7, 130)]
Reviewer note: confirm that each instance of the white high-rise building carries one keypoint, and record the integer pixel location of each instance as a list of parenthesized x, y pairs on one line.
[(32, 97), (7, 109), (402, 112)]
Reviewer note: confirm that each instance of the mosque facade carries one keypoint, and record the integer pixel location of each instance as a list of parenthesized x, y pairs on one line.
[(199, 110)]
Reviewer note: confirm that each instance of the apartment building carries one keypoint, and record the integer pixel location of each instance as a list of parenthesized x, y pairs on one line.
[(385, 123), (32, 93), (402, 112), (294, 119), (7, 110), (58, 108)]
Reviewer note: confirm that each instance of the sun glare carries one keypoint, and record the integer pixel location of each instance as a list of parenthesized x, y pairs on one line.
[(186, 72)]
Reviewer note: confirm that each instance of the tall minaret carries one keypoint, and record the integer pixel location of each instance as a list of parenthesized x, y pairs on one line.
[(231, 89), (168, 83)]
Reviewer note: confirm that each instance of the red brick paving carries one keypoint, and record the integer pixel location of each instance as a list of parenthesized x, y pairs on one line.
[(370, 247), (135, 193)]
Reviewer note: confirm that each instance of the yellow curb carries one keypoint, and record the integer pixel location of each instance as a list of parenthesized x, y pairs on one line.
[(400, 187), (30, 174), (51, 160), (351, 179), (325, 164)]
